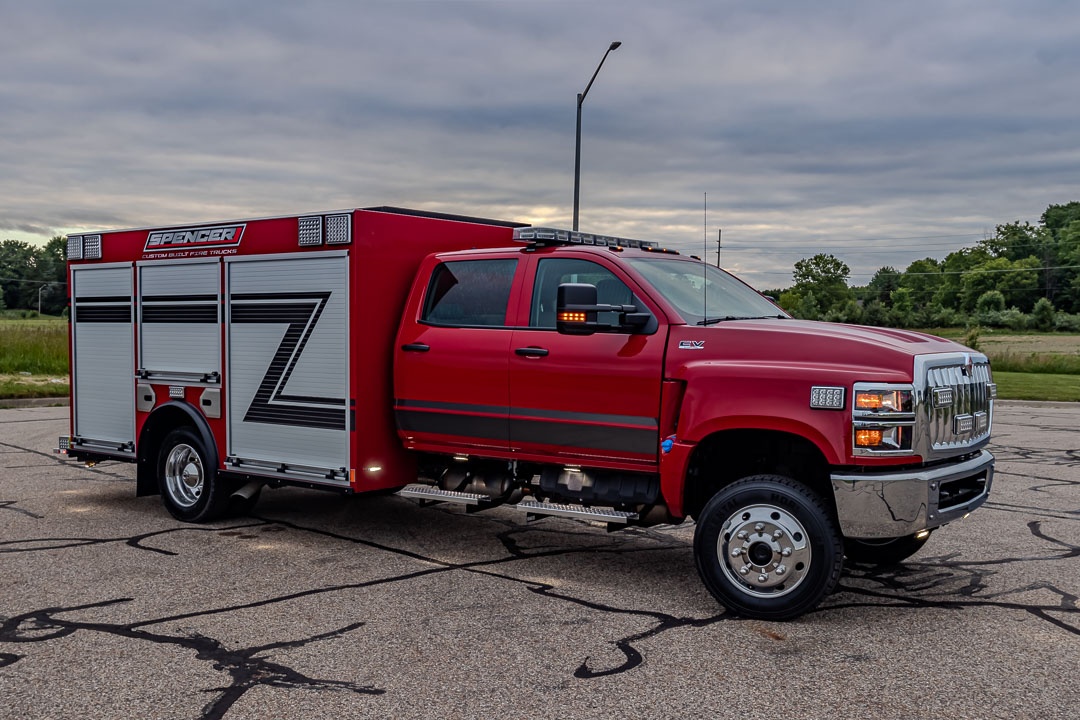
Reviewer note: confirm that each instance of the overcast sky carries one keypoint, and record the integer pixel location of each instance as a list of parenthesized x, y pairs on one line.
[(879, 132)]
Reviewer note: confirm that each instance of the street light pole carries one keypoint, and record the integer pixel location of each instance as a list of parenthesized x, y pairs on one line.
[(577, 142)]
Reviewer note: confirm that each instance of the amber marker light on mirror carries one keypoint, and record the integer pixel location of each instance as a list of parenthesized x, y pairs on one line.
[(572, 317)]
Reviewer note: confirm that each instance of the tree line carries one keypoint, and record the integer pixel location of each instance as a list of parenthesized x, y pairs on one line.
[(1023, 276), (30, 275)]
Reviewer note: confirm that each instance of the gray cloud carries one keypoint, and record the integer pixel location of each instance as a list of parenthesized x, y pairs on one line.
[(825, 126)]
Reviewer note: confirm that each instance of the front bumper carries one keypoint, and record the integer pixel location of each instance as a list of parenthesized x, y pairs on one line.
[(895, 504)]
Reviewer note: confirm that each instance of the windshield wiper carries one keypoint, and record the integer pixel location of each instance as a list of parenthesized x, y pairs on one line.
[(713, 321)]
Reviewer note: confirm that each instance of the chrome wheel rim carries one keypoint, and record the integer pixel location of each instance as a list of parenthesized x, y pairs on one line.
[(184, 475), (764, 551)]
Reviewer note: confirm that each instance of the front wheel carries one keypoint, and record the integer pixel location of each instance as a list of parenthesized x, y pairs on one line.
[(766, 547), (188, 479), (888, 551)]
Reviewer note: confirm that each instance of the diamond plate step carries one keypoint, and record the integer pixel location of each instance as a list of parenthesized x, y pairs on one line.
[(531, 508), (429, 493)]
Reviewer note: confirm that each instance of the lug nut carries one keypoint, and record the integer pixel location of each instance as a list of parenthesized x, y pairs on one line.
[(759, 527), (742, 535), (778, 534), (744, 570), (781, 569), (736, 552), (762, 578), (786, 552)]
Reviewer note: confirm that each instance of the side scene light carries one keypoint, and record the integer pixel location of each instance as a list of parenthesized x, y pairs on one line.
[(827, 398)]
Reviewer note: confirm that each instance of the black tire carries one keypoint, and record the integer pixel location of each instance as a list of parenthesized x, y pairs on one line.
[(887, 551), (188, 480), (766, 547)]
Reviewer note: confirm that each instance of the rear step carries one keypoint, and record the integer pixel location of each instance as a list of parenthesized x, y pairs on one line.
[(428, 494), (614, 518)]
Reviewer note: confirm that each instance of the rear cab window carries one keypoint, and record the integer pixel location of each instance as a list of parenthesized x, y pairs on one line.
[(469, 293)]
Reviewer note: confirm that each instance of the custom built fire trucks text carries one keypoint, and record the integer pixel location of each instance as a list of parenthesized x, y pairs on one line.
[(486, 363)]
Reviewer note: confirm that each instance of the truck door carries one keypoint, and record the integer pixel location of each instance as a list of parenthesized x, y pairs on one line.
[(450, 370), (584, 398), (103, 358)]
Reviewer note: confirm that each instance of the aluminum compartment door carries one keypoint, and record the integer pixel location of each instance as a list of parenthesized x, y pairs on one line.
[(103, 355), (179, 333), (287, 375)]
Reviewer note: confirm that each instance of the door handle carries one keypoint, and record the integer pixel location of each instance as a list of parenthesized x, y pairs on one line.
[(415, 347), (531, 352)]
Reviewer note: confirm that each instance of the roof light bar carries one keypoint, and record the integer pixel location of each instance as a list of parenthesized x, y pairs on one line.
[(553, 236)]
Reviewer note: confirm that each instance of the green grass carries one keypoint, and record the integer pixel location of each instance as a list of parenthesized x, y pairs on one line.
[(1037, 386), (1041, 363), (32, 386), (33, 346)]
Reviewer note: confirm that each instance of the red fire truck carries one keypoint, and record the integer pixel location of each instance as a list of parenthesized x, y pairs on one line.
[(486, 363)]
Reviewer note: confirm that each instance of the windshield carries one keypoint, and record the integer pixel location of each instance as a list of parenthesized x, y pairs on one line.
[(702, 293)]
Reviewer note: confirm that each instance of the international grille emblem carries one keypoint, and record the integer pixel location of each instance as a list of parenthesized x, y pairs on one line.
[(967, 369)]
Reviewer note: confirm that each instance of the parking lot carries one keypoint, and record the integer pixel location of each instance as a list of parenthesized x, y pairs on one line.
[(320, 605)]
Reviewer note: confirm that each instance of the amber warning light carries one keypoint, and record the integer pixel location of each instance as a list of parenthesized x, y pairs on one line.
[(571, 316), (868, 438)]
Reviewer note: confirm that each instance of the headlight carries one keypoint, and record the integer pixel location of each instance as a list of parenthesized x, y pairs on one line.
[(893, 401), (882, 419), (883, 439)]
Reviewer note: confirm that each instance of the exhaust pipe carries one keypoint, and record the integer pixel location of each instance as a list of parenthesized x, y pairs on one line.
[(247, 491)]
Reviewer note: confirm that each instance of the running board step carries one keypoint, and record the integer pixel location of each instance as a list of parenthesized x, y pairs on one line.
[(427, 494), (533, 510)]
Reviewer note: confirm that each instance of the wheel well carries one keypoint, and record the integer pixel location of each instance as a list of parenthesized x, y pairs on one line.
[(161, 422), (724, 457)]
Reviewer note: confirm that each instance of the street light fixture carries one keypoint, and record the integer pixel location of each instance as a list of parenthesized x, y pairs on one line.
[(577, 144)]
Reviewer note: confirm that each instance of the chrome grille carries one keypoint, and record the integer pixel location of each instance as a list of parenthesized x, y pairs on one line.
[(966, 422)]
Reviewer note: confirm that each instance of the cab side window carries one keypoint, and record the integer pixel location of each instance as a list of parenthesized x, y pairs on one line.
[(552, 272), (466, 293)]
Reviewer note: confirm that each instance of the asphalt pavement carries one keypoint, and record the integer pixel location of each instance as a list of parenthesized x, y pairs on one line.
[(325, 606)]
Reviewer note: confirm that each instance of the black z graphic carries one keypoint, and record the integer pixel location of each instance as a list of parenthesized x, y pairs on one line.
[(271, 405)]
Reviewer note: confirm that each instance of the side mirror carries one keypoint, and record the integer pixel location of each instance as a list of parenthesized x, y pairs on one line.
[(576, 309)]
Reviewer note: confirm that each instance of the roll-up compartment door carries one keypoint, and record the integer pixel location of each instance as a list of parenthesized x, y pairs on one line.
[(287, 372), (179, 334), (103, 357)]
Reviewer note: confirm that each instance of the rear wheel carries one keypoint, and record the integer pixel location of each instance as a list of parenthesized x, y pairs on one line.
[(887, 551), (766, 547), (188, 479)]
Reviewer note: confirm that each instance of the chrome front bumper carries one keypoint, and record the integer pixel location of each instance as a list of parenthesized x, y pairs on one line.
[(888, 505)]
